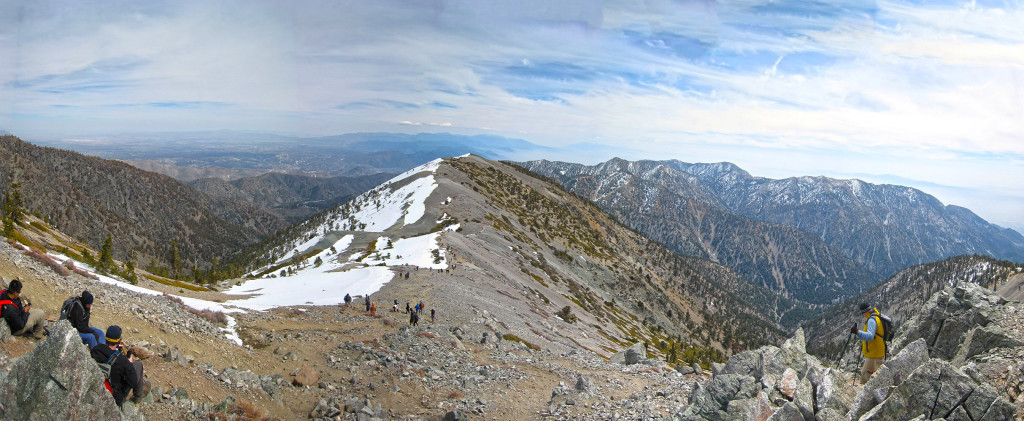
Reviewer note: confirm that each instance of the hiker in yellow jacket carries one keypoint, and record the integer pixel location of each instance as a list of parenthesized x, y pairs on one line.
[(872, 345)]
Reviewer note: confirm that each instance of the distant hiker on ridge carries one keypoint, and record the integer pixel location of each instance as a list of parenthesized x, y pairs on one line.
[(20, 318), (872, 343), (348, 299), (78, 310), (367, 302)]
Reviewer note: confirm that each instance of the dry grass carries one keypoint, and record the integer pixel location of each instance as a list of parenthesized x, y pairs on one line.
[(455, 394), (216, 317), (427, 335), (49, 261)]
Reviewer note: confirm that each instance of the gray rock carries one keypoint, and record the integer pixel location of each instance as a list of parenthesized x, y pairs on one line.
[(746, 363), (788, 412), (982, 339), (455, 416), (947, 317), (631, 355), (891, 374), (56, 380), (716, 368), (697, 369), (756, 408), (585, 386), (937, 390), (804, 399), (5, 332), (796, 343), (684, 370), (833, 392)]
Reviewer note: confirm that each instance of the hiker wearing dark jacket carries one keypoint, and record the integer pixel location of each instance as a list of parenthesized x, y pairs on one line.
[(81, 311), (125, 372), (20, 318), (872, 344)]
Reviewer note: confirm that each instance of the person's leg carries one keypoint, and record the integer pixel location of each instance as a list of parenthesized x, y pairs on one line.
[(871, 365), (35, 326), (88, 339), (98, 334), (141, 386)]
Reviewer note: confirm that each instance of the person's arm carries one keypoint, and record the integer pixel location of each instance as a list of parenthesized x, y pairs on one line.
[(869, 334), (15, 317)]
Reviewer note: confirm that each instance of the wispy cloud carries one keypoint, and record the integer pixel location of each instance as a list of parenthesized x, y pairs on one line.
[(931, 83)]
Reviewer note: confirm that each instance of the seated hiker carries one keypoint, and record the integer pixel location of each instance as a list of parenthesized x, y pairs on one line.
[(125, 373), (78, 310), (21, 319)]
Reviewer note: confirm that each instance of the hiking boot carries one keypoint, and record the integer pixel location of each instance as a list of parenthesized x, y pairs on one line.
[(146, 386)]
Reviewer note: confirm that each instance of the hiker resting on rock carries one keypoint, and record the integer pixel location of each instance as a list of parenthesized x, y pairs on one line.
[(125, 372), (872, 344), (22, 320), (78, 313)]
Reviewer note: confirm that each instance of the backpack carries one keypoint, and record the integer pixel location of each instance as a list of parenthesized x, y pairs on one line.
[(105, 368), (887, 328), (65, 308)]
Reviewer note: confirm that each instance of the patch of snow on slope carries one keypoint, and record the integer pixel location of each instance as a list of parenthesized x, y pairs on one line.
[(314, 286), (415, 251), (301, 247), (388, 207)]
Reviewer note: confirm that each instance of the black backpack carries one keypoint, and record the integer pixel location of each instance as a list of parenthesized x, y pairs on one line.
[(65, 308), (888, 332)]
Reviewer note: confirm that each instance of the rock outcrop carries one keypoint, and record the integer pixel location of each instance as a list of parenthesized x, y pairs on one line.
[(772, 383), (57, 380), (957, 359), (632, 355)]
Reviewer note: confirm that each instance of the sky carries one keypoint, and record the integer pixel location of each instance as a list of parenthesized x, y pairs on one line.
[(926, 94)]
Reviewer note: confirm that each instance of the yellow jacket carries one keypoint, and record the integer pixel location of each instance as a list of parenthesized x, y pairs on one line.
[(875, 348)]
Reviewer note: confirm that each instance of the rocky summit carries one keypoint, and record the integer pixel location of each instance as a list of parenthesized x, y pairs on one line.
[(959, 358)]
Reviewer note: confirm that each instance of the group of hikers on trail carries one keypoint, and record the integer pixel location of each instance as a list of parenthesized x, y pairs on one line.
[(413, 312), (124, 372)]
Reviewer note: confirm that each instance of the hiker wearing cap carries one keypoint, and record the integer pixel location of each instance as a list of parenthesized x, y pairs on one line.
[(125, 372), (872, 342), (22, 320), (78, 312)]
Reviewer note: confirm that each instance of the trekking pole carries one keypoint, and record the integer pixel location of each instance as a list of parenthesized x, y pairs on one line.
[(843, 352)]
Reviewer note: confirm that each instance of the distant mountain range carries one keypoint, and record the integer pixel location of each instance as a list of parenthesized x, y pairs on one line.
[(89, 197), (289, 196), (342, 155), (813, 238)]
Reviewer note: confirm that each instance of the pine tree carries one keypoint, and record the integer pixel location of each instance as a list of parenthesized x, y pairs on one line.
[(175, 260), (13, 205), (106, 259)]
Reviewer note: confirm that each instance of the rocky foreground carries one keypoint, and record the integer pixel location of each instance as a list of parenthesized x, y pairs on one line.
[(960, 358)]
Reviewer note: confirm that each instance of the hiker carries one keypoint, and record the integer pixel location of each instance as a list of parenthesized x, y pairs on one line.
[(367, 302), (125, 373), (19, 317), (872, 344), (413, 318), (431, 315), (78, 314), (348, 299), (373, 309), (407, 308), (394, 308)]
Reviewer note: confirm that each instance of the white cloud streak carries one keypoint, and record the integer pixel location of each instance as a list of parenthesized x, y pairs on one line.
[(933, 84)]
